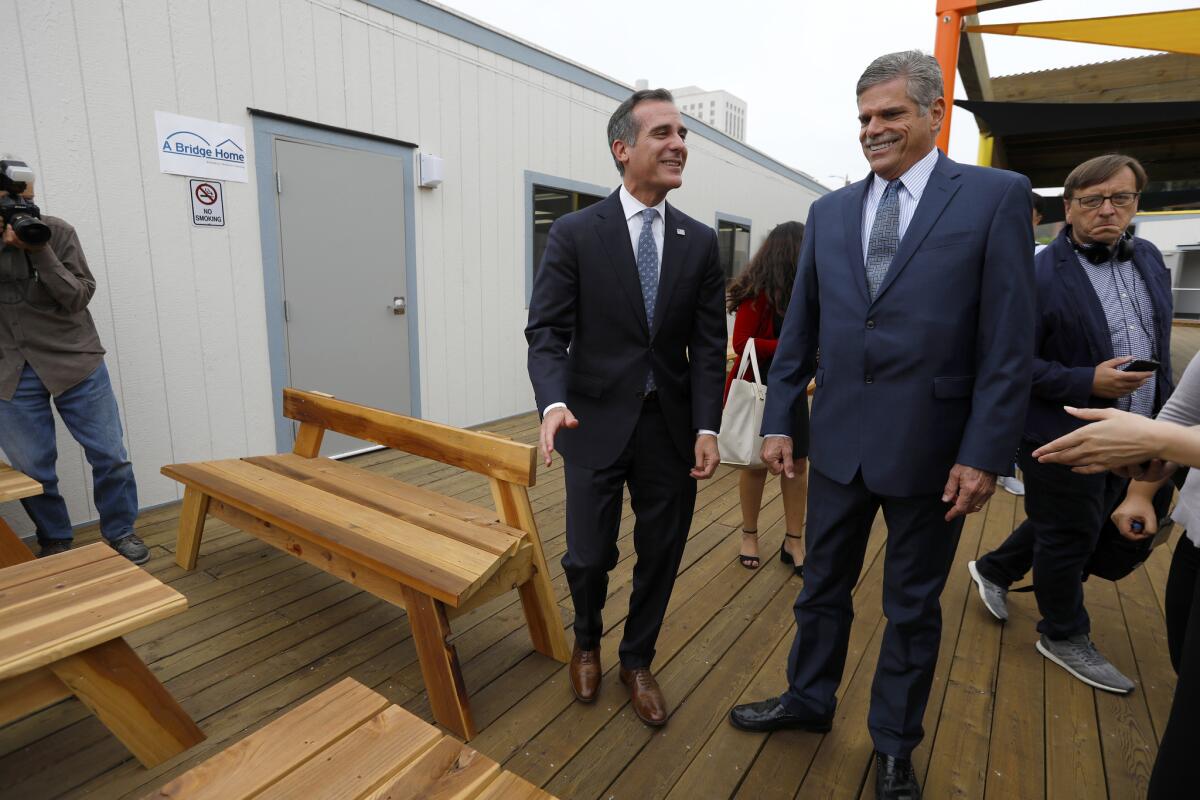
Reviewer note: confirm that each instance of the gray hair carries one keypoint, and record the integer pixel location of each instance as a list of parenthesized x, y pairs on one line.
[(923, 72), (623, 127)]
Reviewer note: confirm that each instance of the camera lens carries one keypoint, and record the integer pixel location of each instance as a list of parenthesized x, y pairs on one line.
[(31, 230)]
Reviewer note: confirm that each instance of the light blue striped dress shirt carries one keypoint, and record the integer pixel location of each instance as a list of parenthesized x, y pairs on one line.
[(912, 184)]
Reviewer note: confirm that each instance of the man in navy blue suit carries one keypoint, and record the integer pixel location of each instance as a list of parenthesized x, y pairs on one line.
[(916, 287), (1104, 300), (627, 359)]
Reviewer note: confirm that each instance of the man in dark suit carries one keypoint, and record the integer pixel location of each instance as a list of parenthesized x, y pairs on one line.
[(1104, 300), (916, 286), (627, 356)]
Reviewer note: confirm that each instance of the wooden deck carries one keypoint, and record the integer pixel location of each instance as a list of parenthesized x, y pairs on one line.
[(264, 631)]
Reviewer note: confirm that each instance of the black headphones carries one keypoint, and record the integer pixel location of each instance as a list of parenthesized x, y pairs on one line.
[(1099, 253)]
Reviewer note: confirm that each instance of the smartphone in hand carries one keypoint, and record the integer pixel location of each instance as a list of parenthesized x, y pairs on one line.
[(1141, 365)]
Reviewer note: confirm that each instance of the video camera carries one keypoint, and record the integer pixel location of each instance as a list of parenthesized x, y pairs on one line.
[(15, 210)]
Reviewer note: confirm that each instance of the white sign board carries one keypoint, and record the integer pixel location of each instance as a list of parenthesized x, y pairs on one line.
[(208, 203), (200, 147)]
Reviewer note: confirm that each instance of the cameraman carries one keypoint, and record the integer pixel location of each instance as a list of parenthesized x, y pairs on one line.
[(49, 348)]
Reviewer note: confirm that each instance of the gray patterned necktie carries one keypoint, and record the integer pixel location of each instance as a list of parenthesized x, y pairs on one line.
[(647, 267), (885, 237)]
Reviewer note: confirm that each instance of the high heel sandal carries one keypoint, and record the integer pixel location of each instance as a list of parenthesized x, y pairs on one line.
[(787, 558), (749, 562)]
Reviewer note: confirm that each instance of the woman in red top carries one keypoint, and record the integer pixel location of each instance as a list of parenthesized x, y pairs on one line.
[(759, 295)]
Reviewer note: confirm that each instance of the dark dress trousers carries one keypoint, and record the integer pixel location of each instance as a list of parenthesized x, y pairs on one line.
[(590, 346), (935, 371), (1064, 510)]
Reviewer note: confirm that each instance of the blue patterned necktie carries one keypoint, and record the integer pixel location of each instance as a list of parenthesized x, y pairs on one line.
[(885, 237), (647, 267)]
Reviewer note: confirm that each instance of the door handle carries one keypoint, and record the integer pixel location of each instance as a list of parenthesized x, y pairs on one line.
[(399, 305)]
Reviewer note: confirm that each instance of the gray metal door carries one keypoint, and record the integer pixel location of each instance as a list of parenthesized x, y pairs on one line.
[(341, 226)]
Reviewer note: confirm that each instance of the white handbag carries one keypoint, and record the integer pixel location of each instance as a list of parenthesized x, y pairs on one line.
[(739, 441)]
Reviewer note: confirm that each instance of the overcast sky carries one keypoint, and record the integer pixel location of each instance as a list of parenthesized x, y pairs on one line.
[(794, 62)]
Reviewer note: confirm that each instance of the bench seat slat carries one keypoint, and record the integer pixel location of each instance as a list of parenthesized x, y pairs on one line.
[(60, 563), (442, 567), (446, 771), (350, 483), (360, 761), (71, 618), (16, 485), (273, 751)]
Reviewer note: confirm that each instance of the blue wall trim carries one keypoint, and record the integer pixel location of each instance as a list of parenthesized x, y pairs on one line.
[(554, 182), (266, 129), (446, 22)]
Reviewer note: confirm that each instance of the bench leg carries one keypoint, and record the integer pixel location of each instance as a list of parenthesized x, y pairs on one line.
[(120, 689), (537, 594), (191, 527), (439, 664), (12, 549)]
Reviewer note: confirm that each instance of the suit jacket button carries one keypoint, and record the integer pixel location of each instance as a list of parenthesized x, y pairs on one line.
[(870, 379), (870, 324)]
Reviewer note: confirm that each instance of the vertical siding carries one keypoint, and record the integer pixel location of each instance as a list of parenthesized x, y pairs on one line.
[(181, 310)]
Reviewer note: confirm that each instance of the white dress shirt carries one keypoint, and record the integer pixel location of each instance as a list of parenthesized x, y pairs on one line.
[(912, 186), (633, 209)]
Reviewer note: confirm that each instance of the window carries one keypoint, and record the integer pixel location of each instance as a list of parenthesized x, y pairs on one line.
[(548, 205), (733, 245)]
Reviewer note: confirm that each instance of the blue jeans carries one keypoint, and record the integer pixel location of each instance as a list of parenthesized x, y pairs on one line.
[(89, 410)]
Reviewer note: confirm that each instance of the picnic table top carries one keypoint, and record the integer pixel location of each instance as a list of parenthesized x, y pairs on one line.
[(66, 603), (443, 547), (16, 485)]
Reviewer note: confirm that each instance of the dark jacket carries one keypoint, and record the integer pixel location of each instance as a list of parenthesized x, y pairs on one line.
[(935, 371), (1072, 336), (590, 345)]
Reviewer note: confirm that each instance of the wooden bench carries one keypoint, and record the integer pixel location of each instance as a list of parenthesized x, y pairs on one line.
[(348, 742), (61, 623), (434, 555), (14, 486)]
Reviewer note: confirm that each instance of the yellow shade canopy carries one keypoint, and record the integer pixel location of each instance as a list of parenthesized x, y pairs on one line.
[(1169, 31)]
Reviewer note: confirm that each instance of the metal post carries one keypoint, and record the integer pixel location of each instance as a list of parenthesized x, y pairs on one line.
[(945, 49)]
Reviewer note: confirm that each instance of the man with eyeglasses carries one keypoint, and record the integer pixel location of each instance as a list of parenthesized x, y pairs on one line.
[(1102, 341)]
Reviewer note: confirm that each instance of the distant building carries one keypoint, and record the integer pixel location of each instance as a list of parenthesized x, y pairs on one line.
[(720, 109)]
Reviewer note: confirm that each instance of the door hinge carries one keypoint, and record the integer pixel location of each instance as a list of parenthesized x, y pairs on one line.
[(287, 312), (278, 184)]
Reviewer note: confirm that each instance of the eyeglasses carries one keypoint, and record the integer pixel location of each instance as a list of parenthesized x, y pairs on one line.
[(1119, 200)]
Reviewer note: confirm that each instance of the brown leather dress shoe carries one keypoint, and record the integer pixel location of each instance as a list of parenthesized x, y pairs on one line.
[(645, 696), (585, 674)]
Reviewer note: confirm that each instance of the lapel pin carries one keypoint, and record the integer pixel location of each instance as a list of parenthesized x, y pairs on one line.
[(681, 231)]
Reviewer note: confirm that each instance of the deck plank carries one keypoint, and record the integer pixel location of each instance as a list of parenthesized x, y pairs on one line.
[(264, 632)]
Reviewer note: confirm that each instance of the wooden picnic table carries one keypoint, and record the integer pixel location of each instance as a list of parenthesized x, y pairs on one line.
[(14, 486), (436, 556), (348, 742)]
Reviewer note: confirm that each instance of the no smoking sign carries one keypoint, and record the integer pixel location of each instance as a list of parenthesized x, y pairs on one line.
[(208, 207)]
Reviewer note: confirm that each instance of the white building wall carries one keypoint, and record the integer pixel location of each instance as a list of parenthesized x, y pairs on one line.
[(181, 309)]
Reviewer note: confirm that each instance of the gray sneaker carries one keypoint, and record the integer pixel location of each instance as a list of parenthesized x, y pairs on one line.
[(132, 548), (1078, 656), (994, 596)]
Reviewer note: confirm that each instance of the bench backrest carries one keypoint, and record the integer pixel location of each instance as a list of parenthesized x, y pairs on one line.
[(482, 453)]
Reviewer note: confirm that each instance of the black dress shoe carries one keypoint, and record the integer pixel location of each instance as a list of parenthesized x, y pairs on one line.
[(895, 779), (770, 715)]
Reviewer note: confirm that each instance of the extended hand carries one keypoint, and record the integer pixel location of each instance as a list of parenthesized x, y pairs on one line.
[(968, 489), (1115, 439), (707, 457), (560, 417), (1110, 383)]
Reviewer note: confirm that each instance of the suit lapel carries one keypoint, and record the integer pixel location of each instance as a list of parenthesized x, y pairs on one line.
[(675, 245), (1081, 293), (943, 184), (613, 232), (852, 214)]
